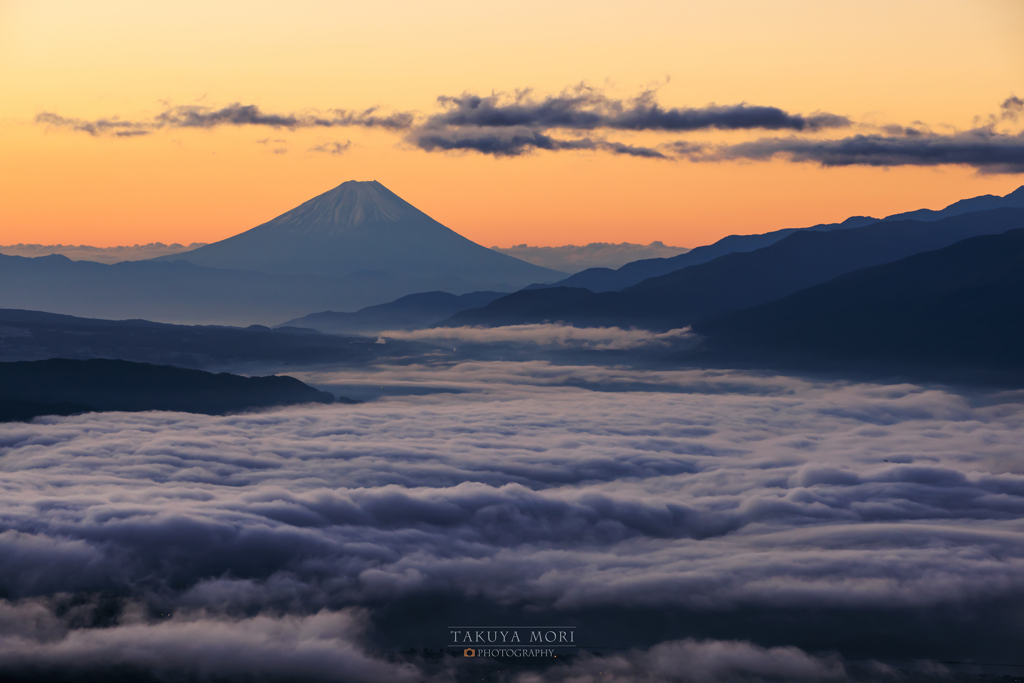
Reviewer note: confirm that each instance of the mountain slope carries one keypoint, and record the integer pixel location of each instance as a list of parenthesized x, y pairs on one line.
[(363, 227), (986, 202), (33, 335), (606, 280), (741, 280), (961, 307), (121, 385), (411, 312)]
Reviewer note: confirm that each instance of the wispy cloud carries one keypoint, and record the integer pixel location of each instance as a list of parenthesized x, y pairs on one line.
[(984, 148), (237, 114), (518, 141), (558, 335), (332, 147), (106, 126), (1011, 108)]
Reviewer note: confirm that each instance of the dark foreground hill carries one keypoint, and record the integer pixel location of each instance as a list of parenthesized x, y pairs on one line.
[(411, 312), (960, 308), (741, 280), (12, 410), (77, 385)]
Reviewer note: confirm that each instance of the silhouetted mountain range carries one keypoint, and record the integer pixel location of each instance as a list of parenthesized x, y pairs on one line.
[(32, 335), (100, 384), (986, 202), (411, 312), (740, 280), (960, 307), (606, 280)]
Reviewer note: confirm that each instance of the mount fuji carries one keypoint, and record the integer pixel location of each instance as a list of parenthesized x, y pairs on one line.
[(355, 246), (363, 227)]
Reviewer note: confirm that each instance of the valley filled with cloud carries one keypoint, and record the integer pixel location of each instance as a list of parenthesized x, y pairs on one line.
[(696, 525)]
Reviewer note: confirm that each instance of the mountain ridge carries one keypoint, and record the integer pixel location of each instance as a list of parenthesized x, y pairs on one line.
[(740, 280), (607, 280), (410, 312), (111, 384)]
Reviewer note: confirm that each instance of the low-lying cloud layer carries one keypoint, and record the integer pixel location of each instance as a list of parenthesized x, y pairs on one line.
[(549, 334), (138, 252), (321, 646), (698, 505)]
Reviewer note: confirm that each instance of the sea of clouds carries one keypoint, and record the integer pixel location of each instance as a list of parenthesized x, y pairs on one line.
[(706, 525), (550, 335)]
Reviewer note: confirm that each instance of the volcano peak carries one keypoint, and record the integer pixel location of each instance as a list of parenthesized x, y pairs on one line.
[(351, 204), (362, 226)]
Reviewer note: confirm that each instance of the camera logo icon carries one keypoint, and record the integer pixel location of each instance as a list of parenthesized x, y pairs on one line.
[(469, 652)]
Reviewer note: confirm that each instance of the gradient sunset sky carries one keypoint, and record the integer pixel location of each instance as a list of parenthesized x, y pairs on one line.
[(566, 122)]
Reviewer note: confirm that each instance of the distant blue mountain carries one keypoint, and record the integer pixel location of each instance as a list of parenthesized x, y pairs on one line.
[(180, 292), (607, 280), (411, 312)]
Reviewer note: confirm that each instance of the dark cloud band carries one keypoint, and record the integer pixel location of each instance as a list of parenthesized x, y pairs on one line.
[(587, 109), (583, 118), (983, 148), (502, 125), (516, 142)]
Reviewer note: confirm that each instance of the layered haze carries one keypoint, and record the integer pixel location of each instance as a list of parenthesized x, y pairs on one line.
[(354, 246), (572, 258), (82, 252)]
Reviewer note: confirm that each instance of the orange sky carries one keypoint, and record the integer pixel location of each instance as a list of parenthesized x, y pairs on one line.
[(936, 61)]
